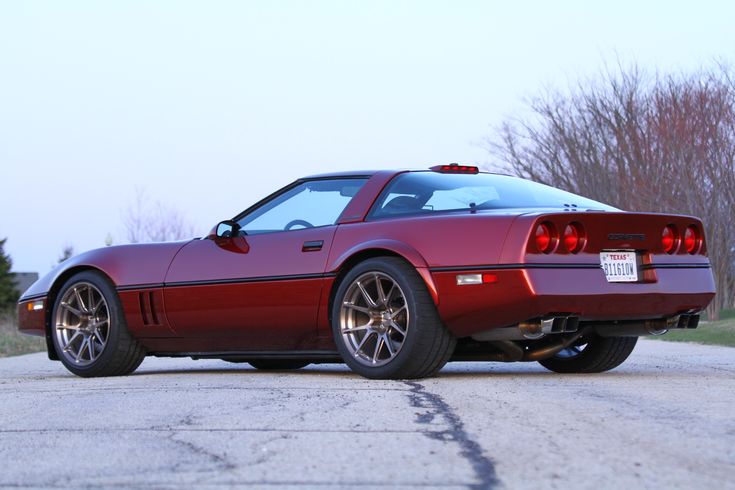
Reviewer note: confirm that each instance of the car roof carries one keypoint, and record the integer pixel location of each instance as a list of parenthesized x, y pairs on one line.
[(370, 173), (351, 173)]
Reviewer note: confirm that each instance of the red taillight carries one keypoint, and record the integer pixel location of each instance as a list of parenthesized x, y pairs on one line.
[(545, 239), (691, 240), (573, 237), (669, 239)]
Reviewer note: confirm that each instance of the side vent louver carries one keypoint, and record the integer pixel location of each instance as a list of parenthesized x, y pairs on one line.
[(148, 308)]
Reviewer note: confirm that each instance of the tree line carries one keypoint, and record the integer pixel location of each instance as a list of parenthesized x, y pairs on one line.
[(8, 292), (639, 141)]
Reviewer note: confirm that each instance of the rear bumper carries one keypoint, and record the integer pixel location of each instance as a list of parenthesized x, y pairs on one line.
[(32, 316), (521, 294)]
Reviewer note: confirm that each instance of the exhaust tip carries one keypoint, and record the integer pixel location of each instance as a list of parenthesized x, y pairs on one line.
[(535, 330), (552, 325)]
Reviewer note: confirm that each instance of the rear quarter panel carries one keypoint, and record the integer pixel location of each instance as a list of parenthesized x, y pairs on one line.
[(472, 242), (427, 241)]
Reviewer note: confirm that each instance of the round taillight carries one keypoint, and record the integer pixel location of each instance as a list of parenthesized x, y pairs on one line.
[(545, 240), (668, 239), (691, 239), (573, 237)]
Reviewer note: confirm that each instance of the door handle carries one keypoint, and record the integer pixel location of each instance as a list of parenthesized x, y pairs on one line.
[(312, 246)]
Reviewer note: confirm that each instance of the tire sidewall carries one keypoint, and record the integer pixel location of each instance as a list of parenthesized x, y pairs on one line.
[(117, 321), (589, 359), (410, 293)]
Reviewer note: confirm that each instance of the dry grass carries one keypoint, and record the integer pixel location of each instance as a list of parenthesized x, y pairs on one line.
[(14, 343), (721, 332)]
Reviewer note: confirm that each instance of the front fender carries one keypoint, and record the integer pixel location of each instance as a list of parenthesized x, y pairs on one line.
[(125, 265)]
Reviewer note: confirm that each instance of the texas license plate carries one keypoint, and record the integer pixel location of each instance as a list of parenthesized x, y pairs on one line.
[(619, 266)]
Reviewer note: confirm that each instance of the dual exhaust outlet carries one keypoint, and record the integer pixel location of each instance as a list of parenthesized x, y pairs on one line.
[(531, 330), (536, 329), (658, 326)]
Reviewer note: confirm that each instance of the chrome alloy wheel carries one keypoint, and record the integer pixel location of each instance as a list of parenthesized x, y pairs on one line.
[(374, 319), (82, 324)]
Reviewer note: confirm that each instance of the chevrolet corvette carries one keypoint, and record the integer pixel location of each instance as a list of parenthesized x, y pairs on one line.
[(394, 273)]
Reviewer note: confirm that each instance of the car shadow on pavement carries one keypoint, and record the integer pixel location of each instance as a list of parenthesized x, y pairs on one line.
[(494, 370)]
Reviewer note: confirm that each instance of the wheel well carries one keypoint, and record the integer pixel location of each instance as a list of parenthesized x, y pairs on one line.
[(51, 300), (351, 262)]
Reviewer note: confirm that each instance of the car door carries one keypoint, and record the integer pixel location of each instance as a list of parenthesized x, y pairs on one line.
[(260, 290)]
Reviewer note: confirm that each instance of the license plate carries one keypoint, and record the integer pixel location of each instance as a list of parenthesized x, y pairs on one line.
[(619, 266)]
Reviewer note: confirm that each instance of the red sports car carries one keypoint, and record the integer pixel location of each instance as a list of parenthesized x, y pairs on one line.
[(393, 273)]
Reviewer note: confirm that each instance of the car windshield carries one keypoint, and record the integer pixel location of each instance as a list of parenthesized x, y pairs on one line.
[(427, 192)]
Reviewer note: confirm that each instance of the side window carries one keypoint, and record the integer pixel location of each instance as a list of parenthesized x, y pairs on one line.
[(307, 205)]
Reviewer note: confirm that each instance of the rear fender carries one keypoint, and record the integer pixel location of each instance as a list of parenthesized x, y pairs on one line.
[(379, 247)]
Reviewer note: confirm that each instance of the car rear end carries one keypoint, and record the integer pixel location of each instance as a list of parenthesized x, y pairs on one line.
[(621, 273)]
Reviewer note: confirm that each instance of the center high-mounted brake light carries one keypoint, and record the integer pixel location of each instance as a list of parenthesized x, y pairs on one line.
[(455, 168)]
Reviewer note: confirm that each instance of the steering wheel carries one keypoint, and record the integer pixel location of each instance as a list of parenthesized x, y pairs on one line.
[(297, 222)]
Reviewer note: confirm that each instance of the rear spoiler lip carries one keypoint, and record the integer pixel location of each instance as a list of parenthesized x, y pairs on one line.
[(567, 212)]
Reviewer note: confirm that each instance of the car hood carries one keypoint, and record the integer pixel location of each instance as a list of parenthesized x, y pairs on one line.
[(125, 265)]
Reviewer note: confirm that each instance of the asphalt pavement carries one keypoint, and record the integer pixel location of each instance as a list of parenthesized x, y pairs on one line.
[(664, 419)]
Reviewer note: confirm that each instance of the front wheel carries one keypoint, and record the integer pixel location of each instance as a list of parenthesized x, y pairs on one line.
[(385, 323), (594, 355), (89, 331)]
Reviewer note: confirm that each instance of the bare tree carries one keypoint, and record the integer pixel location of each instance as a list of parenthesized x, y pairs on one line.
[(66, 253), (646, 142), (152, 221)]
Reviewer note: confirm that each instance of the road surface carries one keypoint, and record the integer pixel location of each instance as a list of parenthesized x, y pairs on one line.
[(665, 419)]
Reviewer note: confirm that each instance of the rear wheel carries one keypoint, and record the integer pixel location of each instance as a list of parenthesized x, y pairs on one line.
[(89, 331), (598, 354), (385, 323)]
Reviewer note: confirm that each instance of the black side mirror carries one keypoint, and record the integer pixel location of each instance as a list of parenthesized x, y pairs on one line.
[(228, 229)]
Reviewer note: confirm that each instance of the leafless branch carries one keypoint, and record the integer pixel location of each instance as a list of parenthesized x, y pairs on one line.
[(639, 141), (153, 221)]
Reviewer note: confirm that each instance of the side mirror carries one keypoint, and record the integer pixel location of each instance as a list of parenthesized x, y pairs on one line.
[(228, 229)]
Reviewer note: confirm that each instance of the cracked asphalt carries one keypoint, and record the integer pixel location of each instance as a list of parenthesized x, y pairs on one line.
[(665, 419)]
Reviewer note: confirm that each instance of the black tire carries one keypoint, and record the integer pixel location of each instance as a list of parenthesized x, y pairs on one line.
[(121, 354), (278, 364), (600, 354), (427, 344)]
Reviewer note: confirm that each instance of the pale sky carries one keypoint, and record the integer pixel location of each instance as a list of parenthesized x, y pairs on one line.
[(208, 106)]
